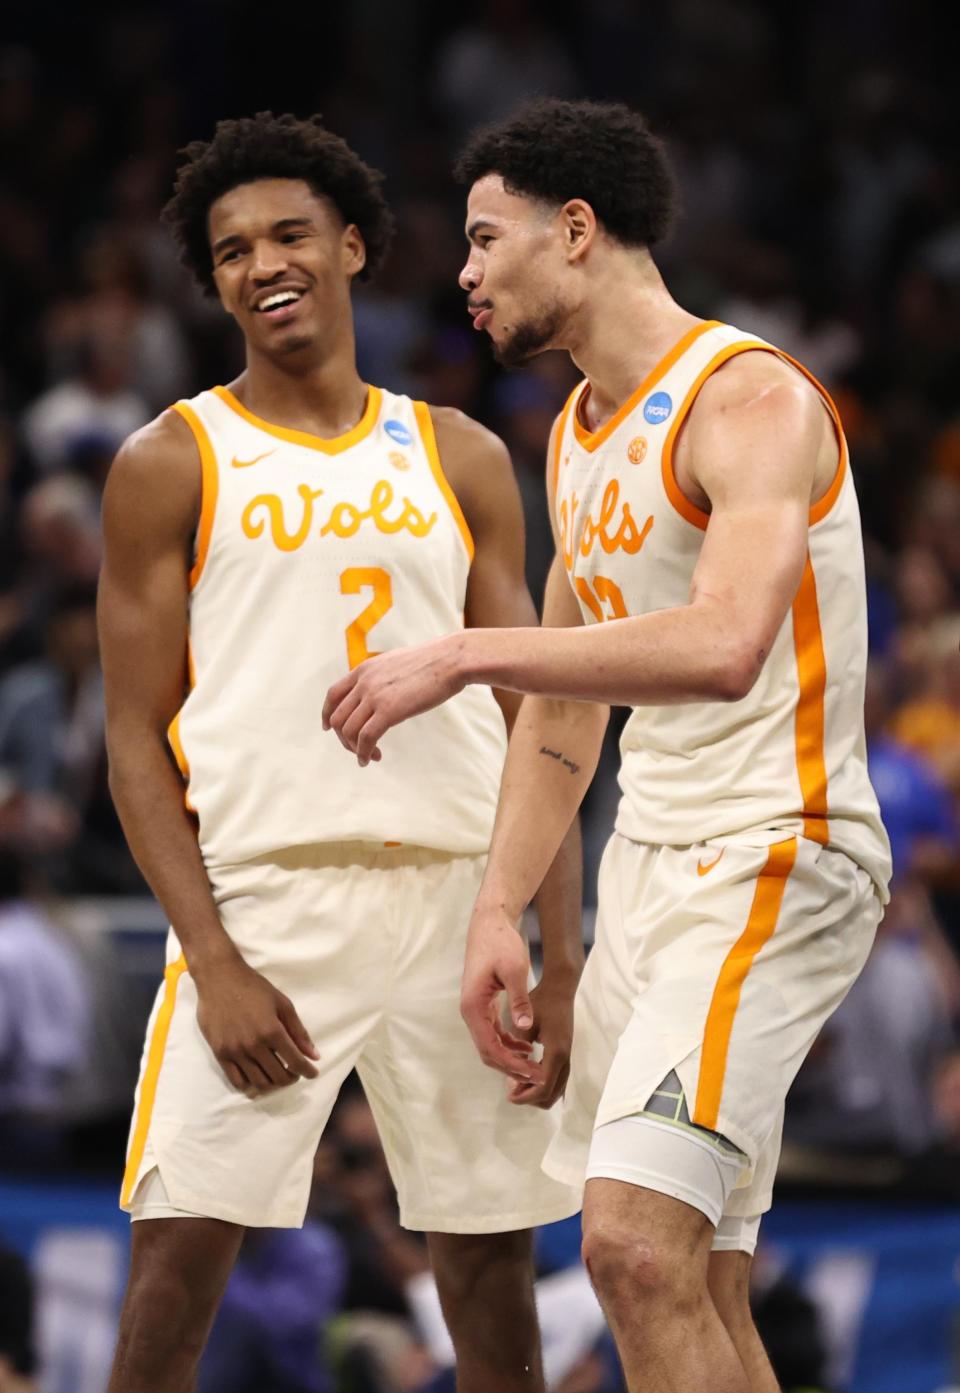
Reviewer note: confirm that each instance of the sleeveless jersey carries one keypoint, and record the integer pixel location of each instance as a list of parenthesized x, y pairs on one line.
[(791, 755), (312, 555)]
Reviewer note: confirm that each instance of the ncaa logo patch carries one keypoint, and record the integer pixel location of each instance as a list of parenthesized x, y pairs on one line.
[(398, 431), (657, 408)]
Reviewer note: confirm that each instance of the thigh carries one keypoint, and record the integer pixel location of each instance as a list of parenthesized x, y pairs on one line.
[(745, 960), (612, 977), (221, 1154), (464, 1159)]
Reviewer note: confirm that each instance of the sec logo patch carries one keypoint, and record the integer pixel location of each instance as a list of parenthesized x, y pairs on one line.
[(398, 460), (637, 450)]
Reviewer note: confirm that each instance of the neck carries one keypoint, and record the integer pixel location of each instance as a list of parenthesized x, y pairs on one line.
[(627, 323), (323, 395)]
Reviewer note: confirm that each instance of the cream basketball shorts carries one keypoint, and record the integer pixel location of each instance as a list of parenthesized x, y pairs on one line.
[(368, 943), (717, 962)]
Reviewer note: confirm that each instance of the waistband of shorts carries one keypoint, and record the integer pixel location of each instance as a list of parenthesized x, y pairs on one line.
[(337, 855)]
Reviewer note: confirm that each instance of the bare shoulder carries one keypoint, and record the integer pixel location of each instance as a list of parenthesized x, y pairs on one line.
[(156, 471), (756, 388), (475, 461), (461, 438)]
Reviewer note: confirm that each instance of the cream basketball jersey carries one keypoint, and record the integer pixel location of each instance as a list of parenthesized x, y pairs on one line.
[(790, 756), (312, 555)]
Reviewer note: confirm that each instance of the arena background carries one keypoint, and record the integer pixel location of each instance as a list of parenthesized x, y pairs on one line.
[(816, 152)]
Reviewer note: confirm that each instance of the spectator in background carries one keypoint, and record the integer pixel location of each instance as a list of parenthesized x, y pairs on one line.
[(270, 1332), (95, 401), (51, 722), (116, 310), (868, 1084), (17, 1360), (492, 63), (44, 1019)]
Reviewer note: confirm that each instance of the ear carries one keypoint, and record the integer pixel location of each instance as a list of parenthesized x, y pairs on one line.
[(352, 251), (579, 224)]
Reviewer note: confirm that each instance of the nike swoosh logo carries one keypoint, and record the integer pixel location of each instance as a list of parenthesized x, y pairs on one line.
[(246, 463), (704, 869)]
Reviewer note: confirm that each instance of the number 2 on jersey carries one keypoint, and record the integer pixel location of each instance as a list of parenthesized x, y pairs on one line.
[(352, 582), (604, 590)]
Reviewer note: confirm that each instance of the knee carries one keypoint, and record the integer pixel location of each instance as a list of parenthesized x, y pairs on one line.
[(638, 1268)]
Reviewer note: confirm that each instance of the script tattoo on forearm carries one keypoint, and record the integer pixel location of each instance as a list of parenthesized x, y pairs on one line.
[(561, 758)]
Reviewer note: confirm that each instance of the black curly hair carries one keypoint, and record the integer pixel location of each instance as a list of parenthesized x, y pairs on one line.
[(274, 147), (602, 152)]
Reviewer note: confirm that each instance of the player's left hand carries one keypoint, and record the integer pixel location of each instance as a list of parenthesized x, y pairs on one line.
[(388, 689), (552, 1002)]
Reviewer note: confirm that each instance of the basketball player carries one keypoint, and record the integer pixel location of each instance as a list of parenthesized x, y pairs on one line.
[(708, 543), (258, 538)]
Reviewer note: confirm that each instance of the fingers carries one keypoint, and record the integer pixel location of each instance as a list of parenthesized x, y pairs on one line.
[(515, 982), (304, 1048), (335, 696), (544, 1093), (501, 1051), (356, 726)]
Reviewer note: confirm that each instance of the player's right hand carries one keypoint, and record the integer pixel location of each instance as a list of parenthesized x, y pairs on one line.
[(253, 1030), (497, 962)]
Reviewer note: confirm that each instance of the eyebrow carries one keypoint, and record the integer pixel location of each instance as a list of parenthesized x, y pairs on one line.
[(284, 224), (476, 226)]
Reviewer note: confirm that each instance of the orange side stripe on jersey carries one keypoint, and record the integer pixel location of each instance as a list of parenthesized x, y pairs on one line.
[(591, 440), (809, 721), (151, 1075), (208, 487), (333, 446), (429, 437), (174, 738), (762, 920)]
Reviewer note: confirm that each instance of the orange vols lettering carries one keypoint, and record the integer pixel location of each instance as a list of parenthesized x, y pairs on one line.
[(344, 519), (613, 533)]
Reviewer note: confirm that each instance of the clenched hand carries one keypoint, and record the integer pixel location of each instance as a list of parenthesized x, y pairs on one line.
[(253, 1030)]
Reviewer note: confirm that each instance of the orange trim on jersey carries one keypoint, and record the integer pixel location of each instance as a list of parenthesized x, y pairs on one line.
[(429, 437), (762, 920), (333, 446), (561, 426), (679, 499), (591, 440), (809, 720), (151, 1075), (209, 485), (174, 738)]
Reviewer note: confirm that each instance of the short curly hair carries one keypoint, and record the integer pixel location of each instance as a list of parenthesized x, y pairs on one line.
[(274, 147), (602, 152)]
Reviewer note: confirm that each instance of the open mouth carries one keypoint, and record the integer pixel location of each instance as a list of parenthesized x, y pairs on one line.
[(279, 305), (482, 318)]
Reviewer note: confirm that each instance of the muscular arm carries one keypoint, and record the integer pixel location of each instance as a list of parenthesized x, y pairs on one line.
[(150, 507), (479, 470), (754, 449)]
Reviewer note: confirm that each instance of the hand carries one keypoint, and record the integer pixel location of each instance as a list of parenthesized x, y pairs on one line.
[(497, 961), (391, 688), (253, 1029), (552, 1002)]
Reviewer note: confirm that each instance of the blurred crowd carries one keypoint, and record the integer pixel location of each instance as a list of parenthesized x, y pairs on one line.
[(815, 156)]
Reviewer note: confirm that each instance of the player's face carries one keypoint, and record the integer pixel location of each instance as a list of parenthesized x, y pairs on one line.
[(514, 275), (283, 263)]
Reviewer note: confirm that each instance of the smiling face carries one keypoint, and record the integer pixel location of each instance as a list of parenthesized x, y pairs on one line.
[(283, 262), (519, 279)]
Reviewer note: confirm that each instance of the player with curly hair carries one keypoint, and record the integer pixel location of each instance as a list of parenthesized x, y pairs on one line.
[(259, 537), (709, 575)]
